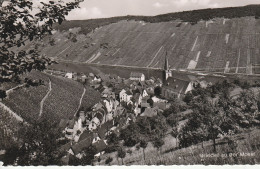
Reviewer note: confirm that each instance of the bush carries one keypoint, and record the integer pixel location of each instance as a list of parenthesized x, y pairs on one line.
[(108, 160)]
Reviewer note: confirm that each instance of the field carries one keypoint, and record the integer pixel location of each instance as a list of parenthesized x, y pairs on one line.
[(62, 102)]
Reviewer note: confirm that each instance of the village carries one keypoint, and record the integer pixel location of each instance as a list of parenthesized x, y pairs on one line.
[(122, 101)]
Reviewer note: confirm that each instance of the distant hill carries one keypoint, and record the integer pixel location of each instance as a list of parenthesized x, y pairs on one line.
[(186, 16), (215, 40)]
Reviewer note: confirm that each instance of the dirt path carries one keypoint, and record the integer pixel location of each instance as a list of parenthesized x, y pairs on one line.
[(12, 89), (45, 97), (80, 101)]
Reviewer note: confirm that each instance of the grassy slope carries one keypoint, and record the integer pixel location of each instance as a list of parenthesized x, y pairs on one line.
[(169, 155), (62, 102)]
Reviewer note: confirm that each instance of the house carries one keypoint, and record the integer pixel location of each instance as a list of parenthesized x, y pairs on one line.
[(82, 116), (65, 148), (137, 110), (69, 75), (83, 78), (86, 135), (100, 147), (63, 123), (104, 128), (137, 99), (125, 96), (65, 159), (161, 105), (144, 93), (158, 100), (137, 76), (96, 138), (150, 90), (97, 79), (119, 111), (77, 149), (145, 105), (150, 112), (235, 93), (176, 88), (158, 82)]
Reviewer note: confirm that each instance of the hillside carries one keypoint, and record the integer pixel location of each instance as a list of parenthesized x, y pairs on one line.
[(217, 40), (61, 102)]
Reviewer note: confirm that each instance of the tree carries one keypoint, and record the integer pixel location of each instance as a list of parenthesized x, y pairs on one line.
[(158, 143), (52, 41), (188, 97), (88, 155), (2, 94), (143, 144), (158, 91), (108, 160), (121, 154), (19, 25), (39, 143)]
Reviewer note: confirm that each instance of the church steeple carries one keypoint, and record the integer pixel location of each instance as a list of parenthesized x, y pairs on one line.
[(167, 72), (166, 63)]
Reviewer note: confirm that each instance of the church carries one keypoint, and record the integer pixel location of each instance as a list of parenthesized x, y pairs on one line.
[(175, 85)]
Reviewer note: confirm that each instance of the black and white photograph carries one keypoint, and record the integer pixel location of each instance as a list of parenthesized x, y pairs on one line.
[(129, 82)]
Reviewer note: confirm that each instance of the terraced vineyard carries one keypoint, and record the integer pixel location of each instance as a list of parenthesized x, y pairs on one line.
[(62, 102), (220, 45)]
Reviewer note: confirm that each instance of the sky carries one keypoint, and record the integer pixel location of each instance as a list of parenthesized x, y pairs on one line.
[(109, 8)]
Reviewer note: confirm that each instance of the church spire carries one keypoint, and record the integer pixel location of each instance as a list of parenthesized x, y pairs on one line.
[(166, 63), (167, 71)]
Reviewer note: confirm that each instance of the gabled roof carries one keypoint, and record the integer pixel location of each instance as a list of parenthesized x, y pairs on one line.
[(136, 74), (183, 77), (177, 85), (71, 123), (113, 76), (65, 160), (86, 135), (65, 147), (63, 123), (77, 148), (119, 110), (150, 112), (145, 105), (153, 78), (104, 128), (100, 145), (142, 83), (136, 96), (161, 106), (128, 92)]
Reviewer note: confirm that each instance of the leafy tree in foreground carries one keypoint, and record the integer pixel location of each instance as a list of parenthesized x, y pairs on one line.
[(88, 156), (38, 146), (19, 25)]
